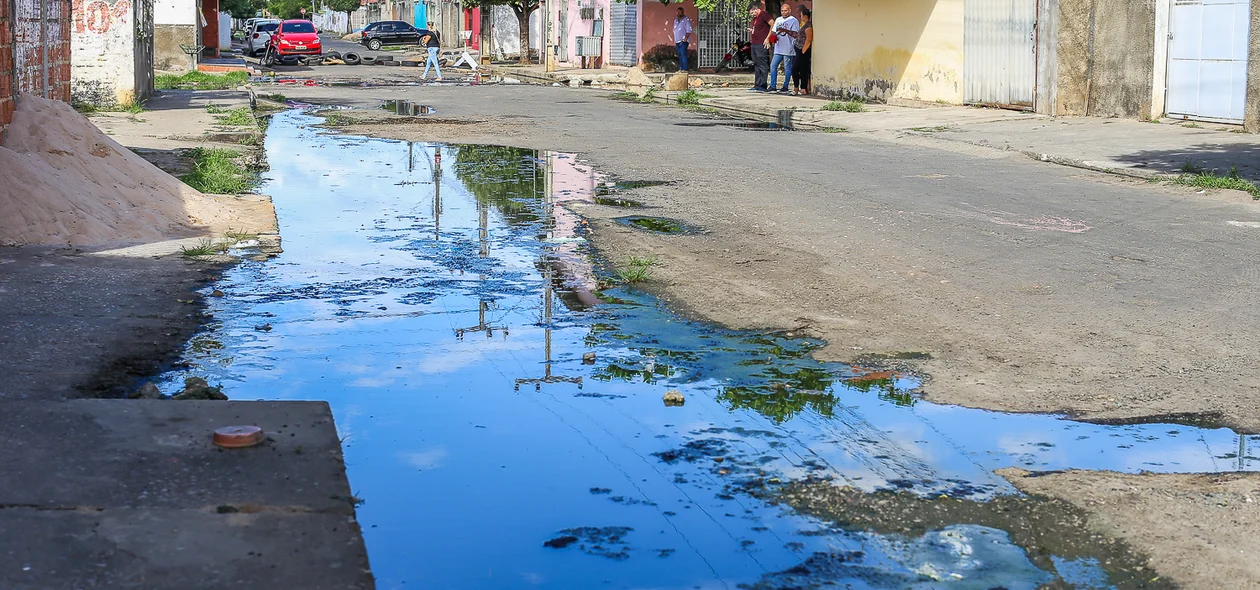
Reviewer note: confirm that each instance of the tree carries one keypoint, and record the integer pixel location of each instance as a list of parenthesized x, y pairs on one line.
[(522, 8), (287, 8), (241, 8), (346, 6)]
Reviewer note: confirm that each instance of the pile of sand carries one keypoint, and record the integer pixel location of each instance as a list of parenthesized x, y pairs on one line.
[(66, 182)]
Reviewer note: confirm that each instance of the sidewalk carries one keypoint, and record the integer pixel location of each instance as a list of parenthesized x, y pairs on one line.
[(536, 74), (1122, 146)]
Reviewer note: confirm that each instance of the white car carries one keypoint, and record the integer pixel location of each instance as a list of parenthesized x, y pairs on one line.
[(258, 34)]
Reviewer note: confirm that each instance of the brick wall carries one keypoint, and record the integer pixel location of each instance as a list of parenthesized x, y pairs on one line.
[(23, 31)]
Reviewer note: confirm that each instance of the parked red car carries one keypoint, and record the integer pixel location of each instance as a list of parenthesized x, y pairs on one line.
[(292, 38)]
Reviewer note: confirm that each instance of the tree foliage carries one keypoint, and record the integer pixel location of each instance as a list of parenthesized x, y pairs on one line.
[(287, 8), (242, 8), (346, 6)]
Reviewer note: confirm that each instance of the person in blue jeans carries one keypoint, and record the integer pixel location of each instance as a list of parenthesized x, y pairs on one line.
[(682, 38), (786, 28), (432, 41)]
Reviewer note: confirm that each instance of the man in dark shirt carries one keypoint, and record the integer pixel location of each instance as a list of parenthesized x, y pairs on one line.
[(762, 21)]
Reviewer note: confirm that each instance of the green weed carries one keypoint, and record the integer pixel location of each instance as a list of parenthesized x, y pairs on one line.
[(338, 120), (239, 236), (625, 96), (237, 117), (691, 97), (1192, 126), (936, 129), (848, 106), (649, 96), (200, 81), (215, 171), (1191, 168), (206, 247), (215, 109), (835, 129), (1231, 180), (273, 97), (636, 269)]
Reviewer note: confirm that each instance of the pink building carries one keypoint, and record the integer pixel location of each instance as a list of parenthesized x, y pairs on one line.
[(580, 27)]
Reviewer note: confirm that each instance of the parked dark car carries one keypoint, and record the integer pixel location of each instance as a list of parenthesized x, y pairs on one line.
[(389, 32)]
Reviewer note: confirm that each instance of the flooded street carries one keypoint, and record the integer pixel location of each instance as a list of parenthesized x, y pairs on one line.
[(443, 300)]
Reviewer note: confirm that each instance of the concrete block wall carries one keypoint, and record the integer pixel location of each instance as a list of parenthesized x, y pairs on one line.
[(103, 59), (34, 52)]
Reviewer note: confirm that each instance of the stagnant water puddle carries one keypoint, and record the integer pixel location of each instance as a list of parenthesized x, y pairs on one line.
[(442, 299)]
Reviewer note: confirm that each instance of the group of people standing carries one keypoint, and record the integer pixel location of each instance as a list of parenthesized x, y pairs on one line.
[(787, 41), (788, 38)]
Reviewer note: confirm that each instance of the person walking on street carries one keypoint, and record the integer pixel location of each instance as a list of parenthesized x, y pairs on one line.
[(804, 43), (682, 38), (783, 40), (431, 40), (757, 34)]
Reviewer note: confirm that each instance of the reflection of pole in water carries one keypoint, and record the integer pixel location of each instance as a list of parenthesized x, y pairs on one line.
[(411, 158), (548, 304), (437, 193), (1242, 452), (482, 326), (483, 227)]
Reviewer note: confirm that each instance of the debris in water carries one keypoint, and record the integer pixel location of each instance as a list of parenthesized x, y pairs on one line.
[(196, 388), (216, 293), (561, 542), (674, 397), (588, 358)]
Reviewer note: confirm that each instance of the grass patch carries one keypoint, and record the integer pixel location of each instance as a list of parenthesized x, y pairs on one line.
[(1239, 130), (1192, 126), (625, 96), (200, 81), (338, 120), (237, 118), (649, 96), (636, 269), (1205, 179), (702, 109), (691, 97), (936, 129), (87, 108), (277, 97), (239, 236), (215, 171), (835, 129), (206, 247), (848, 106)]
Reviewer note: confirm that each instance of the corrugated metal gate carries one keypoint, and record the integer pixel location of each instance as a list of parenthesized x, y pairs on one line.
[(716, 33), (1207, 59), (1000, 52), (624, 32)]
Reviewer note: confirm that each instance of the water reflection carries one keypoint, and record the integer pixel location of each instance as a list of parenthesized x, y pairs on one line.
[(478, 457)]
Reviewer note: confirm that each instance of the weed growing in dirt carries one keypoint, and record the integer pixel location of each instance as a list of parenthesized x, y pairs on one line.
[(277, 97), (848, 106), (215, 109), (87, 108), (636, 269), (1231, 180), (206, 247), (338, 120), (200, 81), (1191, 168), (215, 171), (835, 129), (239, 236), (1192, 126), (625, 96), (936, 129), (691, 97), (649, 96), (237, 117)]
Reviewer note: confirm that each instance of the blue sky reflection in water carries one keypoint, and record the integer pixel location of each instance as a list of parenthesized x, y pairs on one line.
[(443, 310)]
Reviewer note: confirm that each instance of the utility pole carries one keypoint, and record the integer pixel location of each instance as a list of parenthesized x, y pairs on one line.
[(549, 63)]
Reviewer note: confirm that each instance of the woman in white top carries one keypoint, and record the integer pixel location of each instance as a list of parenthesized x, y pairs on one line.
[(786, 28)]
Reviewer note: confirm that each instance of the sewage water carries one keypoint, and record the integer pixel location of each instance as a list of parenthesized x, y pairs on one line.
[(442, 299)]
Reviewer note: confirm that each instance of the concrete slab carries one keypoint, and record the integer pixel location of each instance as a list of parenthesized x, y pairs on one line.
[(116, 494)]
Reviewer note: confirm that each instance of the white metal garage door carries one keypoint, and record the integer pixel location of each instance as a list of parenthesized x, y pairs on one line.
[(1000, 52), (624, 32), (1207, 59)]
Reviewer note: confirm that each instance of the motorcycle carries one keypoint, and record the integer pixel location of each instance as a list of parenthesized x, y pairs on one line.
[(740, 56)]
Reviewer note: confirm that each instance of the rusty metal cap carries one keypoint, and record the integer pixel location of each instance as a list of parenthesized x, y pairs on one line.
[(236, 437)]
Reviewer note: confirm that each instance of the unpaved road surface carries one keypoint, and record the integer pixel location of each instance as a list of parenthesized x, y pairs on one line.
[(1034, 287)]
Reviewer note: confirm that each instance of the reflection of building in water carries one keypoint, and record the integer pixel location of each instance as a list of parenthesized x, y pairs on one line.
[(568, 182)]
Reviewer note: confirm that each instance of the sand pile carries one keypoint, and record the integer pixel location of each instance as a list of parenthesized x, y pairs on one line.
[(63, 181)]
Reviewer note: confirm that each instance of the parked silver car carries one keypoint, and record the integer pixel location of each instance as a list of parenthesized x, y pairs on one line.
[(258, 34)]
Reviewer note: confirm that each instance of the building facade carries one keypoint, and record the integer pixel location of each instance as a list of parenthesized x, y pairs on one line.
[(111, 59), (1194, 59), (175, 23), (34, 53)]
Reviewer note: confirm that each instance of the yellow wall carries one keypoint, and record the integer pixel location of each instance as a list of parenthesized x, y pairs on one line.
[(882, 49)]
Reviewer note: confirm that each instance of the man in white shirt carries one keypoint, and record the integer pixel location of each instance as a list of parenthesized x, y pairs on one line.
[(682, 38), (785, 29)]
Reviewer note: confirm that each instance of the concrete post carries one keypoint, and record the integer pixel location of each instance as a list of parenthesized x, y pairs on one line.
[(1251, 113)]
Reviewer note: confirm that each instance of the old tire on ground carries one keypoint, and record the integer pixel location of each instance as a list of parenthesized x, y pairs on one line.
[(390, 63), (332, 54), (351, 58), (411, 64), (367, 60)]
